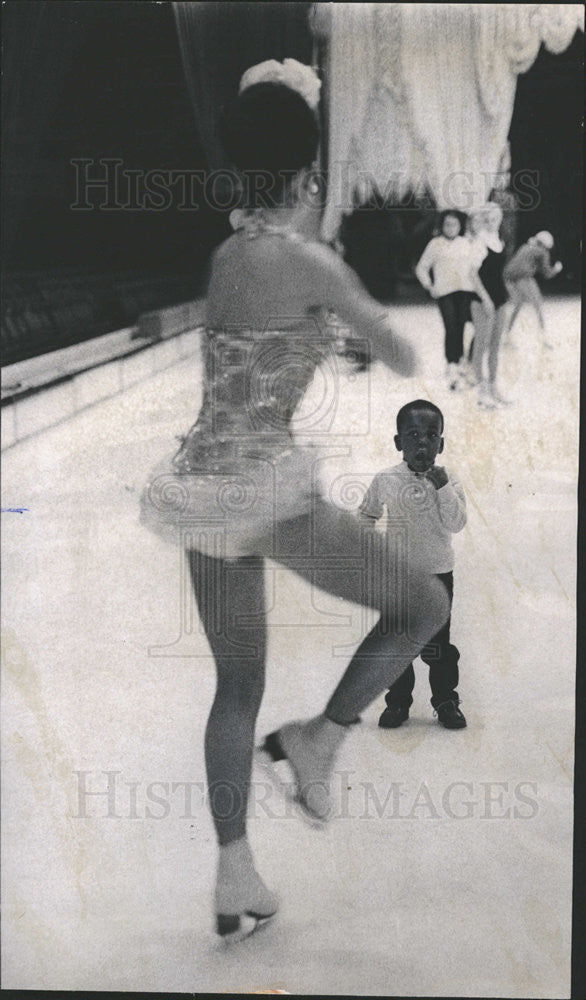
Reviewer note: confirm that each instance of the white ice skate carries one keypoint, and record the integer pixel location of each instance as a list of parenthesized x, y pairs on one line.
[(243, 902), (309, 748)]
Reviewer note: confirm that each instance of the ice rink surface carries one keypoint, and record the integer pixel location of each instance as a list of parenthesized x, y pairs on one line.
[(447, 871)]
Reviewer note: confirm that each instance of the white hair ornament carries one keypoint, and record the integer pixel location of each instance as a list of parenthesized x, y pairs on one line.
[(295, 75)]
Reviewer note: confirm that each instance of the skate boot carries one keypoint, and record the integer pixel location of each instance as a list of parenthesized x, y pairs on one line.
[(496, 395), (485, 399), (453, 377), (310, 750), (243, 902), (466, 373)]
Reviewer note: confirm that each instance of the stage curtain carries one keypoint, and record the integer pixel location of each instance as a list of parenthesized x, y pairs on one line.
[(219, 41), (421, 95), (39, 43)]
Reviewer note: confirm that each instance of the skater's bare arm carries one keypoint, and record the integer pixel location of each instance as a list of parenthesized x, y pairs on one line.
[(481, 290), (546, 268), (330, 282)]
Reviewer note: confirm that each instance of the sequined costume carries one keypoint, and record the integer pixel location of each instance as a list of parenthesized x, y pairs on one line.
[(239, 469)]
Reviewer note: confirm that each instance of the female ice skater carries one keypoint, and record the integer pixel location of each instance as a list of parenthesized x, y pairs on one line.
[(488, 313), (241, 488), (447, 271), (530, 260)]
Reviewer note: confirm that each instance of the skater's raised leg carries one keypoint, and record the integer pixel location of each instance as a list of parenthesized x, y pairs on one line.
[(413, 606)]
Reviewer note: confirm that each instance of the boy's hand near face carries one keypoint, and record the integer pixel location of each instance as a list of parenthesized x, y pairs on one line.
[(437, 475)]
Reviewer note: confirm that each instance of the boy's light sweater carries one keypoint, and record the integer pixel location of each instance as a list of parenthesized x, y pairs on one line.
[(431, 516)]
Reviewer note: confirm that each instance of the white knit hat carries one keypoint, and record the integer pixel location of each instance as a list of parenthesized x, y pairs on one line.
[(545, 238)]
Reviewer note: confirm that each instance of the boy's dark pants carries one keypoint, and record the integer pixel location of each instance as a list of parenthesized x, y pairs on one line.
[(441, 657)]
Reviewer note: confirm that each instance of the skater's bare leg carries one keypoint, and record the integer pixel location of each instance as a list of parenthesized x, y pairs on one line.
[(413, 605), (518, 304), (231, 602), (340, 556), (535, 298), (516, 301), (493, 354), (227, 594), (482, 320), (329, 549)]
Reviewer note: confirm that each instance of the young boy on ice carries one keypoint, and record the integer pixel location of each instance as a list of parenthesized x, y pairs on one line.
[(432, 505)]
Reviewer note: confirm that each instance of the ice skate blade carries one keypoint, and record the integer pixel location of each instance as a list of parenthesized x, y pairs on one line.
[(238, 927)]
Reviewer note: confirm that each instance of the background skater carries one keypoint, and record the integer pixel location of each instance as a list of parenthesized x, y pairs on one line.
[(531, 259)]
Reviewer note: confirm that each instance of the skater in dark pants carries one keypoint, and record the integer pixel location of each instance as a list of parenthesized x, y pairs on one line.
[(424, 499), (447, 270)]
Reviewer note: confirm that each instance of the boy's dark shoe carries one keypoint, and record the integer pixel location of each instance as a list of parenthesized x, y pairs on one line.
[(394, 716), (449, 716)]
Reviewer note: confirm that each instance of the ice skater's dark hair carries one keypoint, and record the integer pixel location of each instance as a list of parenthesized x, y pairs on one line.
[(417, 404), (460, 216), (269, 133)]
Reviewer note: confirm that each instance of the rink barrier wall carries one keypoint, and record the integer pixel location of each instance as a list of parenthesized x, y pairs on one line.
[(164, 322), (44, 391)]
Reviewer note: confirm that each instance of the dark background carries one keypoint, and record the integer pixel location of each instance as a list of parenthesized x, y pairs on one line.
[(98, 79)]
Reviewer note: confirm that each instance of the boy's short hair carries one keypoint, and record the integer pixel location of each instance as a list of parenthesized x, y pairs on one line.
[(417, 404)]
